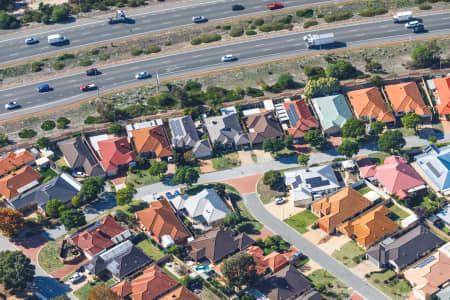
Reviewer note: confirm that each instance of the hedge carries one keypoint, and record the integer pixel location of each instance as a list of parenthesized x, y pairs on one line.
[(250, 32), (253, 92), (27, 134), (236, 31), (48, 125), (425, 6), (310, 23), (305, 13), (370, 12), (152, 49), (339, 16), (206, 38)]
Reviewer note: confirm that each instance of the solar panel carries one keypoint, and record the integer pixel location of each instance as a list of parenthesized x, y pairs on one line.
[(425, 262), (292, 114), (434, 170)]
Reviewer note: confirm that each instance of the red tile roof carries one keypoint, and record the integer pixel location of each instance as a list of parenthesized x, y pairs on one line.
[(152, 139), (13, 160), (274, 260), (180, 293), (115, 152), (14, 184), (160, 220), (306, 120), (405, 97), (443, 90), (369, 103)]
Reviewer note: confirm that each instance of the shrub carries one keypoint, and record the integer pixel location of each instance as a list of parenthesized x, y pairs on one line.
[(62, 123), (8, 21), (285, 20), (375, 11), (250, 32), (104, 57), (236, 31), (339, 16), (206, 38), (48, 125), (341, 69), (58, 66), (305, 13), (226, 27), (27, 134), (136, 52), (65, 56), (152, 49), (376, 80), (310, 23), (425, 6), (314, 72), (36, 66), (253, 92), (95, 51), (373, 66), (86, 62), (258, 21)]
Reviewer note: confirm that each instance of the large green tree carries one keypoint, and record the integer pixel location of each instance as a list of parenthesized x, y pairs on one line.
[(43, 142), (3, 140), (158, 168), (60, 13), (303, 159), (103, 292), (411, 120), (185, 175), (91, 189), (54, 208), (391, 141), (321, 87), (73, 218), (116, 129), (273, 145), (239, 270), (422, 57), (348, 148), (16, 270), (377, 127), (354, 128), (273, 179), (125, 195), (315, 138), (340, 69), (232, 219)]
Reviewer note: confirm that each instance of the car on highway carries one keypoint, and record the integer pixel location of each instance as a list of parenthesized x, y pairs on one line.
[(76, 277), (88, 87), (143, 75), (31, 41), (78, 174), (12, 105), (92, 72), (235, 7), (280, 200), (275, 5), (412, 24), (419, 28), (43, 88), (228, 57), (199, 19)]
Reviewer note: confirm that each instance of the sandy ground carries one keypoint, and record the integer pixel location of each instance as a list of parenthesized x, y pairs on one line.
[(206, 166), (285, 210), (334, 243), (262, 156), (245, 157), (314, 236), (364, 268), (310, 267)]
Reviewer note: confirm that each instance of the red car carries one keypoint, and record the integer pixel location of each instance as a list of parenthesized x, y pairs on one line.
[(88, 87), (275, 6)]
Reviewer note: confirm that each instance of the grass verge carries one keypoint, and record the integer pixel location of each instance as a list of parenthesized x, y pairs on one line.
[(328, 286), (395, 289), (349, 254), (48, 257), (302, 221), (83, 292), (142, 178), (226, 161)]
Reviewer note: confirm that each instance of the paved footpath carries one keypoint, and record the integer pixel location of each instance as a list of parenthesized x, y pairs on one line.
[(337, 269)]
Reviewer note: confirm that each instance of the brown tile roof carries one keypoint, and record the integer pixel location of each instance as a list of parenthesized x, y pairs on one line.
[(443, 90), (369, 103), (14, 184), (180, 293), (339, 207), (305, 119), (274, 260), (152, 139), (160, 220), (263, 126), (13, 160), (369, 227), (405, 97)]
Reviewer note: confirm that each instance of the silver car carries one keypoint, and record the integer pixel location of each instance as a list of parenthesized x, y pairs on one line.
[(199, 19), (12, 105), (228, 57)]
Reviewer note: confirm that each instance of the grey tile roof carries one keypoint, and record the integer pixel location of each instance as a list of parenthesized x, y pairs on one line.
[(183, 131), (224, 129), (202, 149)]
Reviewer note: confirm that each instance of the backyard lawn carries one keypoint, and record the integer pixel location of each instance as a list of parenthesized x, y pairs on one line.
[(328, 285), (48, 256), (301, 221), (150, 249), (226, 161), (48, 174), (398, 211), (141, 178), (380, 156), (83, 292), (349, 254), (396, 289), (364, 189)]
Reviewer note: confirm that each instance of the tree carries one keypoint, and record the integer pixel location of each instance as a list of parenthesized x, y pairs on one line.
[(115, 128), (232, 219), (43, 142), (76, 202), (273, 179), (411, 120), (376, 81), (8, 21), (102, 291), (315, 138), (240, 269), (273, 145), (247, 297), (340, 69), (73, 218), (3, 140), (11, 221), (158, 168), (189, 157), (321, 87), (289, 141), (125, 195), (185, 175), (91, 189), (60, 13), (286, 81), (314, 72), (348, 148), (422, 57), (391, 141), (303, 159), (54, 208), (353, 128), (377, 127), (62, 123), (16, 270)]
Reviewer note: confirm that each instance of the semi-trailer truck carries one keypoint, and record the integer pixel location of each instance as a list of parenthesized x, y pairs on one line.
[(118, 18), (318, 40), (403, 16), (55, 39)]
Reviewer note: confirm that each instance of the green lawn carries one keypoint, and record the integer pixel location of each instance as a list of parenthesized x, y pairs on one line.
[(347, 253), (226, 161), (141, 178), (446, 230), (83, 292), (266, 194), (398, 211), (328, 285), (301, 221), (48, 256), (396, 289), (379, 155), (302, 262), (150, 249), (61, 162), (48, 173), (406, 131), (364, 189)]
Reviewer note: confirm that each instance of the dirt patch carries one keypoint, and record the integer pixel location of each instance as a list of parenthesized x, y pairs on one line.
[(285, 210), (365, 267), (314, 235), (334, 243), (310, 267), (206, 166), (246, 157)]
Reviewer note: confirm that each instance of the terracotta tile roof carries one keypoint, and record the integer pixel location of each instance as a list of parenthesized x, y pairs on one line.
[(339, 207), (180, 293), (115, 152), (263, 126), (396, 175), (369, 227), (153, 283), (274, 260), (304, 120), (152, 139), (13, 160), (369, 103), (405, 97), (18, 182), (160, 220), (443, 90)]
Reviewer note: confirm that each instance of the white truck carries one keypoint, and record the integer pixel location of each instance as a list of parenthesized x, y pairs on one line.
[(118, 18), (317, 40), (56, 39), (403, 16)]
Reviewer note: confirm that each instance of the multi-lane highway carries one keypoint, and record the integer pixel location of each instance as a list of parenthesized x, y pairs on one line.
[(66, 89), (98, 30)]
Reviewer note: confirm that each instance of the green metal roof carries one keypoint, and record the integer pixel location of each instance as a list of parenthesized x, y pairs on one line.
[(332, 110)]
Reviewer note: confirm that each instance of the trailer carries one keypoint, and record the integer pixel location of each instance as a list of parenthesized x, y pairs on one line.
[(118, 18), (56, 39), (318, 40), (403, 16)]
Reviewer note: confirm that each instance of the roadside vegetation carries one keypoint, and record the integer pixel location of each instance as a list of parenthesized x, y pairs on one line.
[(390, 284), (328, 285)]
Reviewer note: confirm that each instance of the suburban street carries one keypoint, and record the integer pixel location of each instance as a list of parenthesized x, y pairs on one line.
[(337, 269), (66, 89)]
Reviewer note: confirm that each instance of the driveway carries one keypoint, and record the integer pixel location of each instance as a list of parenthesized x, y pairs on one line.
[(256, 208)]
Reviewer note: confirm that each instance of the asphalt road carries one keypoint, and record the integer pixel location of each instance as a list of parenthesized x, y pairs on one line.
[(337, 269), (66, 89), (99, 31)]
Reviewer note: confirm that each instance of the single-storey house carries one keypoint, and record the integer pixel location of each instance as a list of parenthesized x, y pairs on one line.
[(370, 106), (435, 163), (227, 131), (263, 126), (116, 154), (442, 86), (332, 111), (14, 160), (18, 182), (184, 135), (151, 142)]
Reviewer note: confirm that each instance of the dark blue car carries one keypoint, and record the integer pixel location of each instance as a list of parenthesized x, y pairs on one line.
[(43, 88)]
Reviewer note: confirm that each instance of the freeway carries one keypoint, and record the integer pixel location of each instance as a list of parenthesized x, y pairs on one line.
[(66, 89), (98, 31)]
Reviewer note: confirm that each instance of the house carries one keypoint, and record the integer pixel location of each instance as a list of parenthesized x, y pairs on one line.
[(180, 293), (151, 142), (19, 182), (405, 250), (309, 184), (333, 112), (99, 237), (205, 207), (160, 220), (134, 126), (116, 154), (435, 164), (263, 126), (442, 86), (337, 208), (369, 227), (152, 284), (270, 263), (298, 116), (121, 261), (405, 98), (184, 135), (369, 105), (396, 176), (14, 160), (431, 274), (226, 130), (288, 283), (444, 215), (63, 187), (79, 157), (217, 244)]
